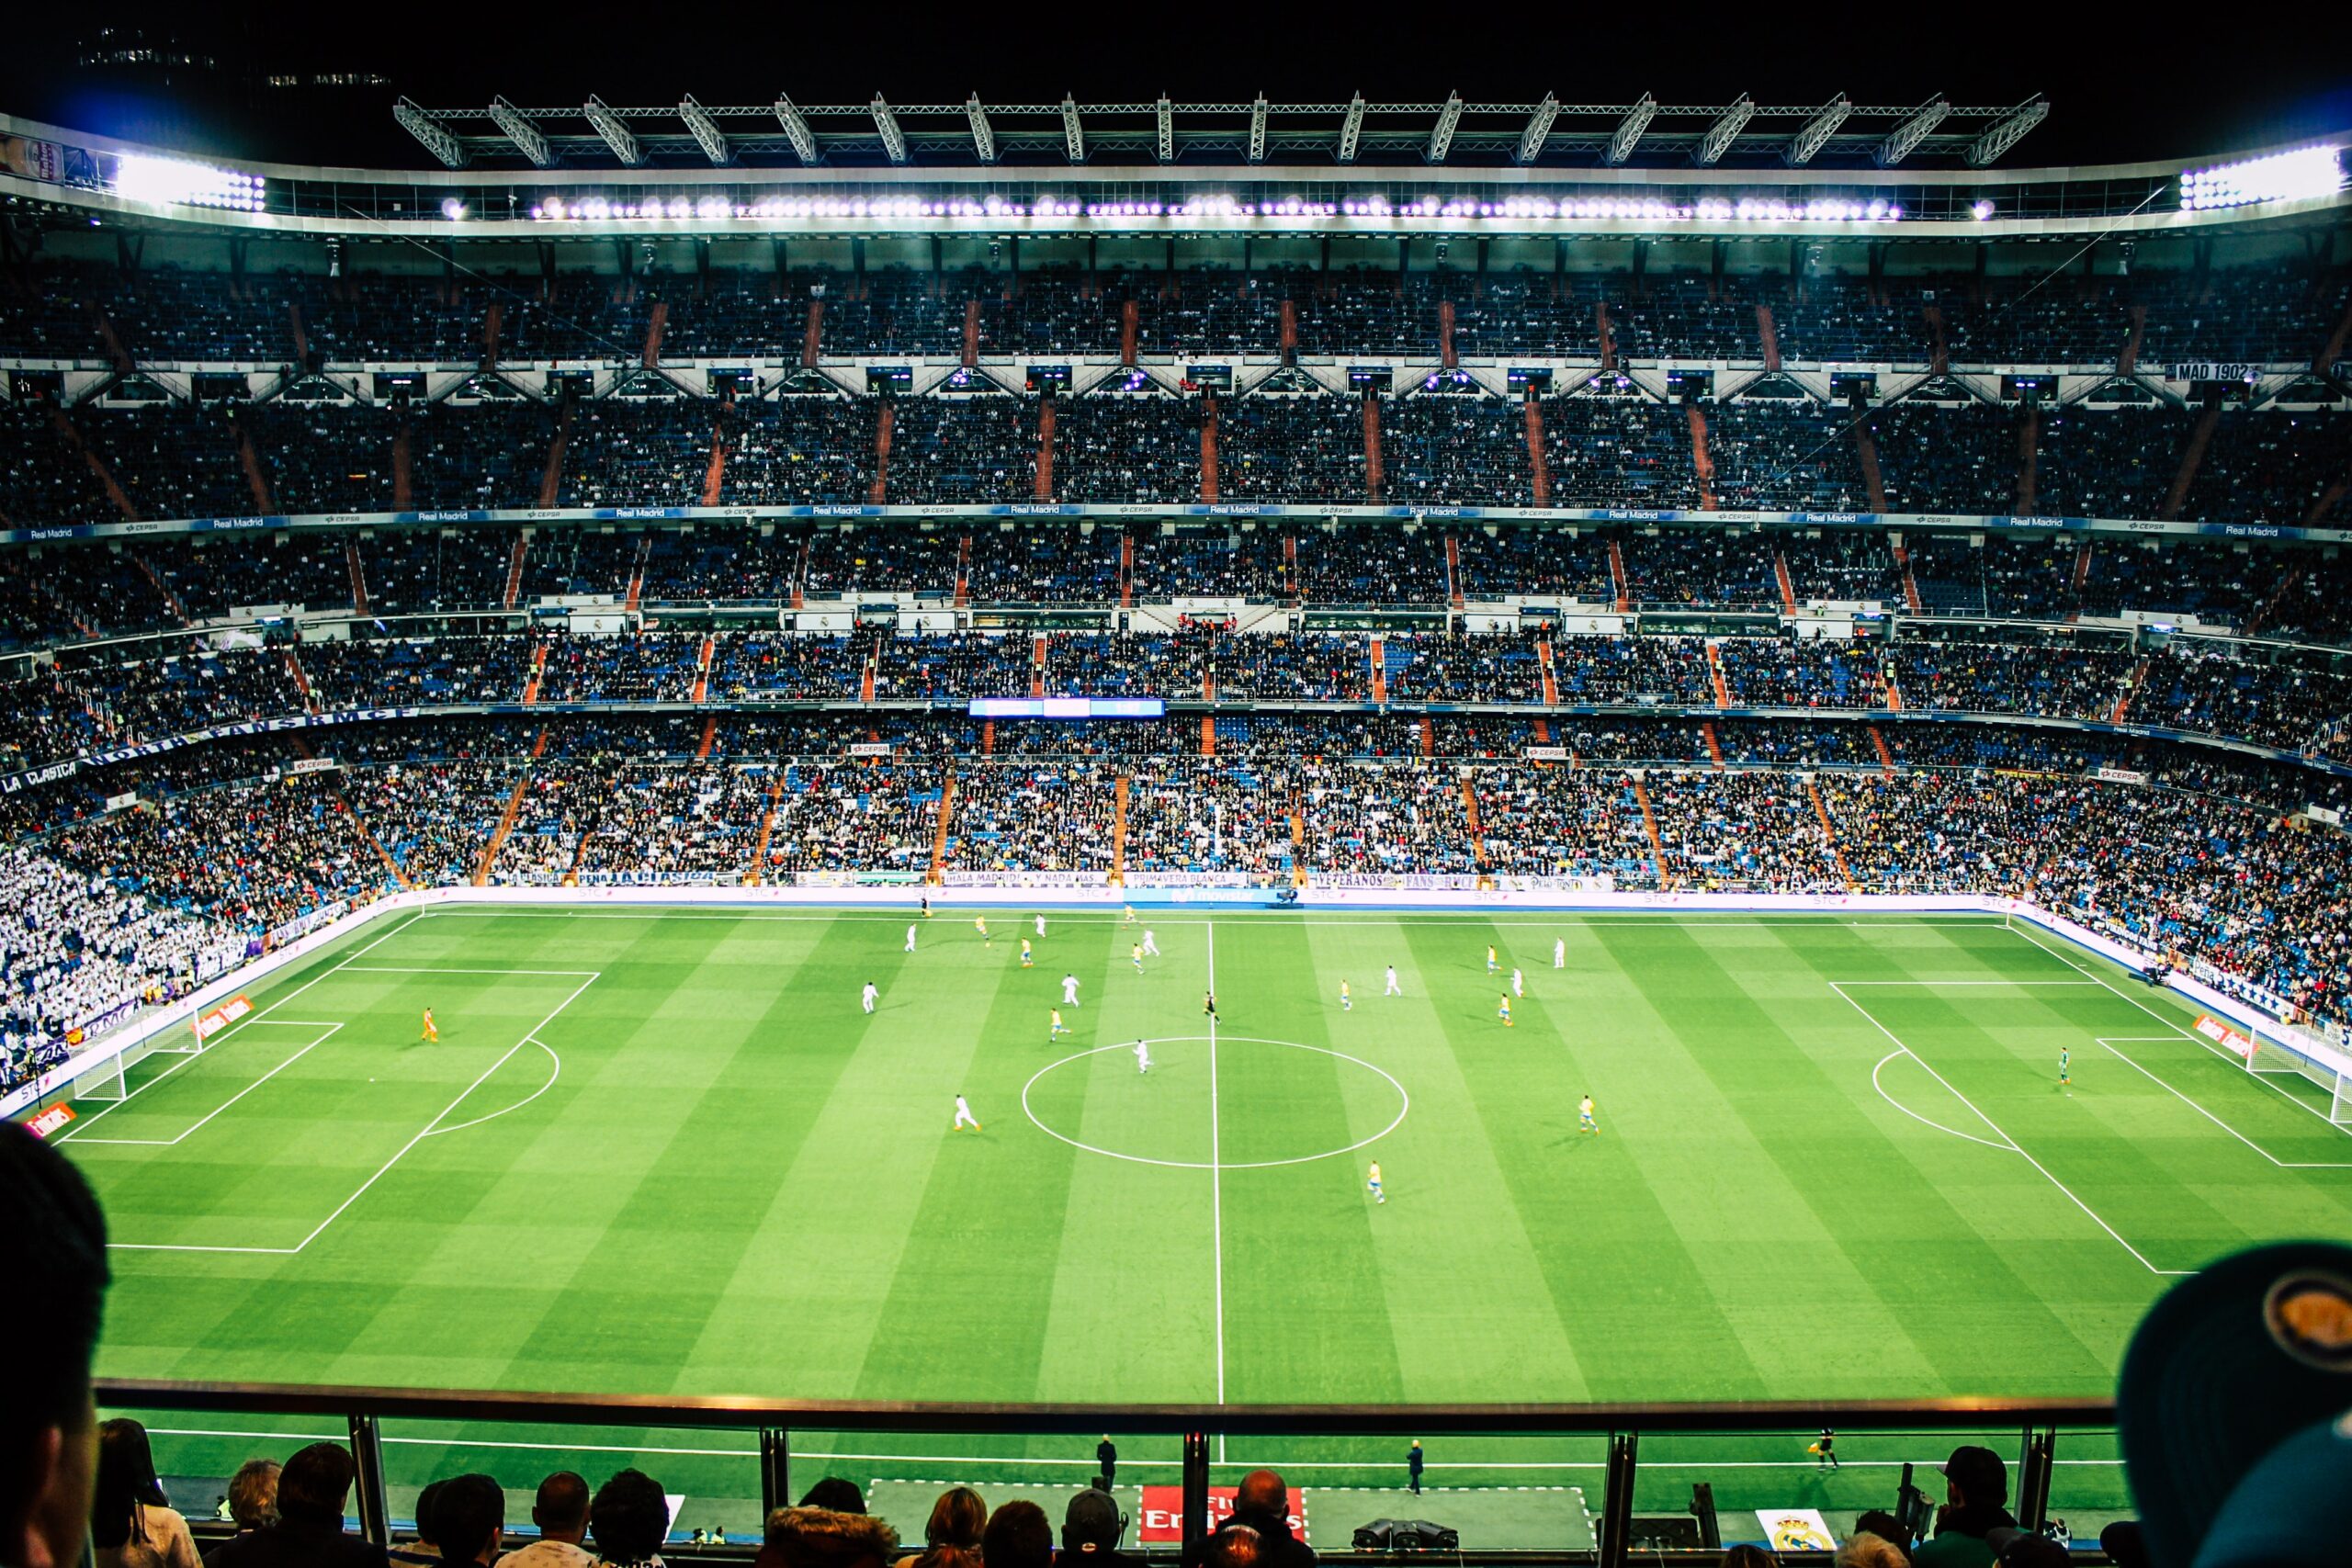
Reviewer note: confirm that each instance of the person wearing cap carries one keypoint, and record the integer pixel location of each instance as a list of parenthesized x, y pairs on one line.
[(2229, 1408), (1090, 1531), (1976, 1495)]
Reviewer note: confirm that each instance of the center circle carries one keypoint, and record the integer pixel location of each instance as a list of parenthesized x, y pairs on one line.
[(1183, 1059)]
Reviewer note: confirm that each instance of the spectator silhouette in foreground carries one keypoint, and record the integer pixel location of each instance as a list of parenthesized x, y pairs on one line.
[(1092, 1530), (55, 1239), (809, 1536), (470, 1518), (1261, 1502), (308, 1534), (560, 1509), (132, 1525), (629, 1520), (253, 1500)]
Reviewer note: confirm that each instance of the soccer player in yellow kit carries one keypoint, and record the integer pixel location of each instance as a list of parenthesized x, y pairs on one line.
[(1027, 960), (431, 1035), (980, 924), (1060, 1028)]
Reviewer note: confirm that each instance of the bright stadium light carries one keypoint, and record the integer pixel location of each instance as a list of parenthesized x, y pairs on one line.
[(2008, 133), (437, 142), (2303, 174), (1441, 135), (521, 132), (1907, 137), (796, 128), (1629, 130), (1539, 127), (983, 138), (894, 141), (1726, 129), (617, 136), (175, 181), (1073, 133), (1817, 131), (1352, 129), (706, 130)]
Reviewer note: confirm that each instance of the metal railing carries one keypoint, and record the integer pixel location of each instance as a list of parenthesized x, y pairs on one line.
[(2036, 1427)]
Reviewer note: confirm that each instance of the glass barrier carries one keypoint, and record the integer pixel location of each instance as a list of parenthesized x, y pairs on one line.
[(1590, 1485)]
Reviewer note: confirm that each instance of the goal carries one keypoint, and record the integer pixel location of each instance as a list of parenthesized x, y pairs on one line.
[(2305, 1066), (110, 1080)]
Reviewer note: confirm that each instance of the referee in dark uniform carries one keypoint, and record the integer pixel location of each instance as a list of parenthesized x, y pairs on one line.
[(1106, 1454), (1413, 1467)]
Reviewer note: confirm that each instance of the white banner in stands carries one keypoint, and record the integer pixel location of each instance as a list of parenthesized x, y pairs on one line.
[(868, 748), (310, 765), (1026, 878), (1189, 879), (1547, 753), (2120, 775)]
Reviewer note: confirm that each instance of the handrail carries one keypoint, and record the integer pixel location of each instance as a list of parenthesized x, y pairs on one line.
[(1954, 1414)]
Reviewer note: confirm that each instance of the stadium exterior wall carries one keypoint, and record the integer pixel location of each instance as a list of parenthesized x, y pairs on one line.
[(1399, 895)]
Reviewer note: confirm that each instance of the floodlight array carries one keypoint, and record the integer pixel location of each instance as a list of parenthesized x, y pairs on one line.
[(1707, 209), (165, 181), (2305, 172)]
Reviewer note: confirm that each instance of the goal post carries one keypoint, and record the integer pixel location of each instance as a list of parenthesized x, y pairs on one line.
[(2292, 1057)]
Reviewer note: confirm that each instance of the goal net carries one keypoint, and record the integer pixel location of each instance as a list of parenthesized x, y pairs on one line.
[(109, 1079), (2300, 1064)]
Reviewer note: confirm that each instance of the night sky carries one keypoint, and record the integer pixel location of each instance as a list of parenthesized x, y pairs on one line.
[(2163, 91)]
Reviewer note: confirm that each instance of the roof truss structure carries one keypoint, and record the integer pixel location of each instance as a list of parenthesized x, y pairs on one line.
[(1744, 133)]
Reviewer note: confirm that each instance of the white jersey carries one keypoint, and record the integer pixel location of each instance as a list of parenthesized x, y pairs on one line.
[(1393, 988), (870, 995), (1143, 1056), (910, 938), (963, 1117), (1559, 955), (1149, 946), (1041, 925), (1518, 983), (1070, 990)]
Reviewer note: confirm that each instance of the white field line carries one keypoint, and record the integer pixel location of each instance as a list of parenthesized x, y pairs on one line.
[(444, 969), (252, 1018), (2011, 1143), (428, 1131), (168, 1143), (2195, 1105), (1216, 1175), (555, 1071), (559, 1445), (2175, 1026), (1915, 1116)]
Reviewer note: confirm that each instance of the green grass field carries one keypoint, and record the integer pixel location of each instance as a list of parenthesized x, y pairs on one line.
[(666, 1151)]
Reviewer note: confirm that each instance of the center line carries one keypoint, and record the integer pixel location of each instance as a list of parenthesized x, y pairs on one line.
[(1216, 1178)]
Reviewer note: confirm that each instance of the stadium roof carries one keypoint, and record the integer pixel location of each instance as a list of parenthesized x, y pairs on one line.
[(1244, 133)]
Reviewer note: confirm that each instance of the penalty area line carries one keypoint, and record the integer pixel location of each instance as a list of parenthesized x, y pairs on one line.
[(2011, 1143)]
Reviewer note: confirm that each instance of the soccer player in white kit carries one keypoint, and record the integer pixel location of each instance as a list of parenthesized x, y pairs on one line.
[(1560, 954), (1518, 983), (870, 995), (1143, 1056), (963, 1117), (1070, 990), (910, 938), (1151, 948), (1041, 925), (1393, 988)]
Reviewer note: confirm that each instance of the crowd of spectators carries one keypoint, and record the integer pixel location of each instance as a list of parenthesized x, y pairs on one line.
[(2271, 313), (1127, 448)]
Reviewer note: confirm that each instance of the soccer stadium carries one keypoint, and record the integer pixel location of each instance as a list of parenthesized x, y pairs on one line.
[(844, 831)]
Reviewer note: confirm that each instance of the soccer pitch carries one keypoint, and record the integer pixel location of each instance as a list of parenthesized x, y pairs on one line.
[(667, 1152)]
